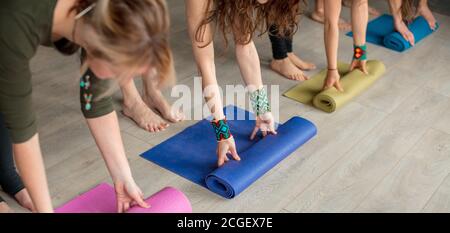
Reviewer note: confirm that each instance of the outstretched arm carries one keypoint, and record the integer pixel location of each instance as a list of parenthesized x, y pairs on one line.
[(399, 24), (29, 162), (250, 66), (204, 57), (360, 18), (332, 13), (106, 132)]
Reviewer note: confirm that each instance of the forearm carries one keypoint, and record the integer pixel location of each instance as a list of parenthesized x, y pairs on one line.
[(204, 58), (360, 18), (106, 133), (29, 162), (332, 12), (395, 8), (423, 3), (249, 64), (203, 49)]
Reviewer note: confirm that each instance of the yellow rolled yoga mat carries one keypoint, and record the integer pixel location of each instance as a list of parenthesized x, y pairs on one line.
[(354, 83)]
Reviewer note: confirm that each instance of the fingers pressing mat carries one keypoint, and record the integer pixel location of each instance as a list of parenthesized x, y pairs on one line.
[(102, 199), (381, 31), (354, 83), (192, 154)]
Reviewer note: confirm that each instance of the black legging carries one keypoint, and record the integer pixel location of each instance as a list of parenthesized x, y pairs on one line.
[(281, 46), (9, 179)]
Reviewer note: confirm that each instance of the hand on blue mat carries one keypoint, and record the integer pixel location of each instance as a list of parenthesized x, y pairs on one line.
[(425, 11), (191, 155), (358, 64), (264, 123), (401, 28), (332, 80), (224, 148)]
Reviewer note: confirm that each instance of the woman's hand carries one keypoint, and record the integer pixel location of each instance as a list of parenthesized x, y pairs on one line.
[(401, 28), (332, 80), (128, 194), (265, 123), (361, 65), (224, 148)]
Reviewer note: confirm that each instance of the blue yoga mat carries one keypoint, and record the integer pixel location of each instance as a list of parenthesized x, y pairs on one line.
[(192, 153), (381, 31)]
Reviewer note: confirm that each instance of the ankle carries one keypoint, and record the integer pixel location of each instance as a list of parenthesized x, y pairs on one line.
[(279, 61), (319, 12), (131, 102)]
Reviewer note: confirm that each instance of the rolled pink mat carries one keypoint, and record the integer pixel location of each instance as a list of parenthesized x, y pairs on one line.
[(102, 199)]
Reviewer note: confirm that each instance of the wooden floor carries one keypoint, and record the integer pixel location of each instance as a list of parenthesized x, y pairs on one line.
[(386, 151)]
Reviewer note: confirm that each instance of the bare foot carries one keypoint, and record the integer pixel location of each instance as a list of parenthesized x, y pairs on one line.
[(156, 100), (23, 198), (140, 113), (303, 65), (4, 208), (287, 69), (424, 11), (320, 18)]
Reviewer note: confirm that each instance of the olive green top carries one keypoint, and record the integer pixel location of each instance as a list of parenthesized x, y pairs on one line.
[(24, 25)]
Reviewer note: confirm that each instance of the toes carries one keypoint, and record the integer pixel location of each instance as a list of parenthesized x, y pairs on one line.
[(151, 128)]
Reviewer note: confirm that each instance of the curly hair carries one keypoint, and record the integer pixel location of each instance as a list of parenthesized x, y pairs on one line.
[(242, 18), (284, 15), (407, 9)]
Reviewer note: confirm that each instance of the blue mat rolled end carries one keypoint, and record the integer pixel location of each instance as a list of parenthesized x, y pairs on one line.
[(234, 177), (381, 31), (419, 27), (192, 153)]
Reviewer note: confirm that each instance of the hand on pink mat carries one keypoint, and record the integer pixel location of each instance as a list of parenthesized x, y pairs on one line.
[(361, 65), (224, 148), (265, 123), (128, 194), (332, 80)]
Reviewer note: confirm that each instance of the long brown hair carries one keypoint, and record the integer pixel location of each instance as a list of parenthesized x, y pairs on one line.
[(408, 9), (129, 34), (284, 15), (230, 17), (243, 18)]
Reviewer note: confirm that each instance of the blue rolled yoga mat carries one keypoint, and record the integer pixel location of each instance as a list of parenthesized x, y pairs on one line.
[(381, 31), (192, 153)]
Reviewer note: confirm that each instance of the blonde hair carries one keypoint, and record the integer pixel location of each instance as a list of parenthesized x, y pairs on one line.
[(130, 34)]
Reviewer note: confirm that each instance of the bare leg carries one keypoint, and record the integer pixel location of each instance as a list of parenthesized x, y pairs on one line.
[(154, 99), (318, 16), (372, 11)]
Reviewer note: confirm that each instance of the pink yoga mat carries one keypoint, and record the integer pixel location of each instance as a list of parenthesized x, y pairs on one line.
[(102, 199)]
